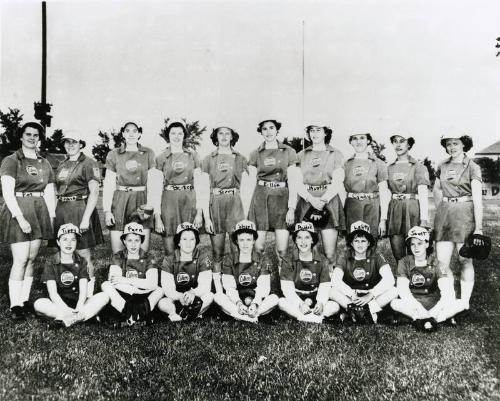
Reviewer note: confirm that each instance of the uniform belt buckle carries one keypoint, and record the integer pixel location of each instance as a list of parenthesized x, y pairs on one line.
[(453, 200), (27, 194), (127, 189), (400, 197)]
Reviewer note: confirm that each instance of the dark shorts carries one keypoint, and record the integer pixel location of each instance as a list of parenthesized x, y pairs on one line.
[(176, 208), (268, 208), (402, 215), (124, 205), (336, 217), (225, 212)]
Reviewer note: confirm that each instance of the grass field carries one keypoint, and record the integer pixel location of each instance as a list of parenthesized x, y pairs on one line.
[(218, 359)]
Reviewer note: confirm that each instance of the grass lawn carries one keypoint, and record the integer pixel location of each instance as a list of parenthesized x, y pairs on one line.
[(220, 359)]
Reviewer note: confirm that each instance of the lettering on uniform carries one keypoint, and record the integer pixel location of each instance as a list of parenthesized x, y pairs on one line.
[(131, 165), (398, 176), (245, 279), (450, 175), (31, 170), (359, 274), (417, 280), (306, 275), (178, 166), (269, 162), (132, 273), (315, 162), (182, 278), (359, 171), (223, 167), (67, 278), (63, 174)]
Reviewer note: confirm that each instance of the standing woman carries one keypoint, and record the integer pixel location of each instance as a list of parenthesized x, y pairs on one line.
[(127, 184), (272, 206), (409, 206), (225, 168), (181, 200), (458, 194), (77, 184), (26, 217), (322, 173), (366, 186)]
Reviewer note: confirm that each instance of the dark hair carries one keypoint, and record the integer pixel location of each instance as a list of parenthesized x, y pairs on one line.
[(430, 249), (328, 133), (122, 129), (234, 136), (277, 124), (410, 141), (466, 140), (177, 237), (368, 136), (175, 124), (35, 125), (314, 237), (358, 233)]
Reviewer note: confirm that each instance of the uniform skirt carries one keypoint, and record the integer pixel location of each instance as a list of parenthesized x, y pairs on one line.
[(454, 221), (72, 212), (336, 217), (177, 207), (225, 211), (427, 301), (268, 208), (365, 210), (402, 216), (126, 203), (35, 212)]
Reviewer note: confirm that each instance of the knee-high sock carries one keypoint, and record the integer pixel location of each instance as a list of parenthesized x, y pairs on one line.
[(26, 289), (15, 292)]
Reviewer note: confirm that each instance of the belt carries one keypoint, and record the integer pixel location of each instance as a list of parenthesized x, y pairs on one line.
[(362, 195), (403, 196), (29, 194), (225, 191), (317, 187), (304, 292), (131, 189), (184, 187), (458, 199), (71, 198), (272, 184)]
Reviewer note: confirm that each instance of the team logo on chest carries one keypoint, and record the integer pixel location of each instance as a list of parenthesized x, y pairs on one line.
[(67, 278), (306, 275), (132, 273), (63, 174), (417, 280), (223, 167), (31, 170), (131, 165), (182, 278), (359, 274), (359, 171), (450, 175), (245, 279), (398, 176), (315, 162), (178, 166), (269, 162)]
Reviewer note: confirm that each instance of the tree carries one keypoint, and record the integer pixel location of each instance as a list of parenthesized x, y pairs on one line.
[(101, 149), (297, 143), (378, 148), (54, 143), (11, 122), (193, 139), (490, 169), (432, 172)]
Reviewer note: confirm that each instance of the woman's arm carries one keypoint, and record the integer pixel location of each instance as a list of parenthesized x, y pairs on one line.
[(168, 285), (204, 283), (201, 190), (339, 284), (229, 284), (263, 288), (323, 292), (385, 283), (108, 190), (385, 196), (148, 283), (55, 297), (49, 195), (477, 199), (423, 201), (403, 287), (335, 186), (288, 288), (9, 196), (91, 204), (155, 189), (248, 183), (82, 295), (438, 192)]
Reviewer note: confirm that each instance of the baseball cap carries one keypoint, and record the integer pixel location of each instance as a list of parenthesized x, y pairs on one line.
[(418, 232), (133, 228), (244, 226), (68, 229)]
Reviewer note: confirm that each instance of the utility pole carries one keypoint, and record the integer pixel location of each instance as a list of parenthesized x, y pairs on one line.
[(42, 108)]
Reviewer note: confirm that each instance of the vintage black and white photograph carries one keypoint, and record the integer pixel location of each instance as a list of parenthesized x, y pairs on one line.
[(249, 200)]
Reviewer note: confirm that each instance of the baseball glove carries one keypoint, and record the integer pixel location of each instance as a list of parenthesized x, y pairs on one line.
[(476, 246), (190, 312), (319, 218), (359, 314), (142, 214)]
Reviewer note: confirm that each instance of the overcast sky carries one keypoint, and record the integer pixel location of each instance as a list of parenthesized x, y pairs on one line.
[(424, 68)]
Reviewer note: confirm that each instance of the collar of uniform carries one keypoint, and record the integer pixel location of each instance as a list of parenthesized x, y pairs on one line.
[(411, 160), (431, 260), (20, 155), (262, 146), (316, 255), (142, 253), (168, 151), (369, 253), (371, 156), (465, 160), (216, 152), (328, 148), (256, 257), (177, 254), (123, 148), (76, 258), (82, 157)]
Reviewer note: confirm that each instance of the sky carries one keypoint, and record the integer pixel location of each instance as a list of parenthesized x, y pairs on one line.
[(419, 68)]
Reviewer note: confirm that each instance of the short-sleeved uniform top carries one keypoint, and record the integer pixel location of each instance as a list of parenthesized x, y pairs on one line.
[(272, 164), (456, 178), (178, 168), (245, 274), (224, 170), (317, 166), (134, 268), (364, 175), (406, 176), (31, 175), (73, 176), (307, 276), (186, 273), (423, 279), (66, 276), (131, 168), (361, 274)]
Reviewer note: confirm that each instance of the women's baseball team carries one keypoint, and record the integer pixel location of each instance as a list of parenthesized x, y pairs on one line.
[(180, 197)]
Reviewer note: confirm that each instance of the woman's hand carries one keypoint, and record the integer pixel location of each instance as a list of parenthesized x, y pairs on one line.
[(84, 225), (242, 309), (477, 241), (23, 223), (382, 228), (209, 226), (318, 309), (159, 227), (363, 300), (198, 219), (304, 308), (290, 216), (252, 310), (188, 297), (119, 280), (109, 218)]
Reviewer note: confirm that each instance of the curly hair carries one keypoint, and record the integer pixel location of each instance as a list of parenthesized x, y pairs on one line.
[(277, 124), (328, 133), (409, 140), (368, 136), (35, 125), (234, 136), (175, 124), (122, 129), (465, 139)]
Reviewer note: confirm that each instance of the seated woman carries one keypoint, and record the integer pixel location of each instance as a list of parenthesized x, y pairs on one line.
[(132, 282), (186, 277), (245, 279), (362, 278), (66, 297), (426, 293), (305, 279)]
